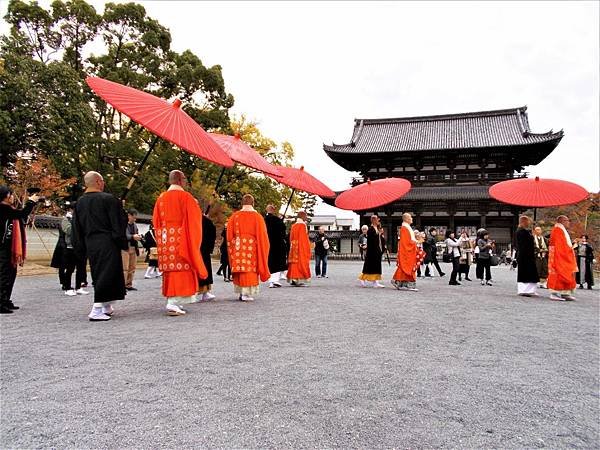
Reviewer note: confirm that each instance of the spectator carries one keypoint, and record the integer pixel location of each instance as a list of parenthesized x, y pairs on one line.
[(585, 259), (452, 247), (362, 241), (486, 247), (130, 255), (12, 244), (321, 250)]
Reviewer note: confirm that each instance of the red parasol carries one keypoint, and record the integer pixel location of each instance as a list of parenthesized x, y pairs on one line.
[(166, 120), (242, 153), (299, 179), (537, 192), (373, 194)]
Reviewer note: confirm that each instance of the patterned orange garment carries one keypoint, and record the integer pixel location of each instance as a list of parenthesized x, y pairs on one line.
[(248, 248), (561, 262), (407, 257), (178, 229), (299, 256)]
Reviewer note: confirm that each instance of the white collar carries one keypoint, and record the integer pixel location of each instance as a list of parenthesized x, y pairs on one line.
[(175, 187), (562, 227), (410, 230), (299, 220), (247, 208)]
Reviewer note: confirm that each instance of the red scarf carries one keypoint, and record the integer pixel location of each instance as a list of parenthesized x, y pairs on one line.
[(18, 244)]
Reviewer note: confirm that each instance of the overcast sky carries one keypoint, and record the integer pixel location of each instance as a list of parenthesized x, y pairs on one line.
[(305, 70)]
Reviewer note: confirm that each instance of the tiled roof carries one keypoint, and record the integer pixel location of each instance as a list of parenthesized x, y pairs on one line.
[(500, 128), (432, 193)]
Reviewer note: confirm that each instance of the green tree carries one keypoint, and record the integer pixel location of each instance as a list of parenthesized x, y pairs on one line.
[(46, 108)]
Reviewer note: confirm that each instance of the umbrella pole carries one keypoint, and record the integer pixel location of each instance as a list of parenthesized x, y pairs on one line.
[(289, 201), (139, 169), (216, 188), (534, 214)]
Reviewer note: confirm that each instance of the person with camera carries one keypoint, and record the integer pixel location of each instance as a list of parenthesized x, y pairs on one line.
[(430, 248), (321, 250), (453, 250), (12, 243), (486, 247)]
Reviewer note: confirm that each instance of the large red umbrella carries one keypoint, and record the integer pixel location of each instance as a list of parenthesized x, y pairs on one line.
[(373, 194), (537, 192), (301, 180), (166, 120), (242, 153)]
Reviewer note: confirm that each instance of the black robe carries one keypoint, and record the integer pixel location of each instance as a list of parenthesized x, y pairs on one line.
[(278, 243), (372, 264), (526, 270), (589, 273), (99, 223), (223, 248), (209, 236)]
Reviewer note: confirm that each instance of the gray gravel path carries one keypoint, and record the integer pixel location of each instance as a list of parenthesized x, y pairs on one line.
[(331, 365)]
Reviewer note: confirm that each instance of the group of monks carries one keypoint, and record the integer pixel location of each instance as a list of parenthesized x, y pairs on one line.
[(256, 253), (177, 221), (562, 265)]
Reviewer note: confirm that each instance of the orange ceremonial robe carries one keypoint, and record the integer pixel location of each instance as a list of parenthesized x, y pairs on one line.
[(407, 257), (248, 248), (178, 229), (299, 256), (561, 262)]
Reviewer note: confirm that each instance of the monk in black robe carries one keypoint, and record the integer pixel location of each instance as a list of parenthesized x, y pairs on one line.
[(207, 245), (278, 246), (527, 275), (99, 224), (371, 273)]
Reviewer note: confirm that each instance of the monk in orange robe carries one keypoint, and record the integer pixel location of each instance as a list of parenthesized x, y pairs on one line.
[(298, 273), (177, 222), (561, 262), (405, 277), (248, 248)]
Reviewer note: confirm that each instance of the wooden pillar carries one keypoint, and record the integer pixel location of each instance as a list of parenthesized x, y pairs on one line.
[(452, 212)]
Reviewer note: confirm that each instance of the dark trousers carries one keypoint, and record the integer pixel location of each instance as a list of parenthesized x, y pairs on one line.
[(81, 272), (435, 262), (225, 270), (65, 273), (483, 264), (8, 275), (320, 264), (455, 266)]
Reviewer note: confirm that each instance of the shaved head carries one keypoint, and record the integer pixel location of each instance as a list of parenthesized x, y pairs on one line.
[(406, 217), (247, 199), (302, 215), (177, 177), (93, 181), (90, 178)]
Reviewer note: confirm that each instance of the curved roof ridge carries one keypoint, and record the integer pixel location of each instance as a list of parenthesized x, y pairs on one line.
[(495, 112)]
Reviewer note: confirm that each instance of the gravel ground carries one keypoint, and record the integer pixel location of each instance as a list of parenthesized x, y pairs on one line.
[(330, 365)]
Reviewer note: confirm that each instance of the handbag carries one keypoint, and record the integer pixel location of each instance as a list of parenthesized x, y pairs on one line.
[(447, 257), (494, 260), (153, 255)]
